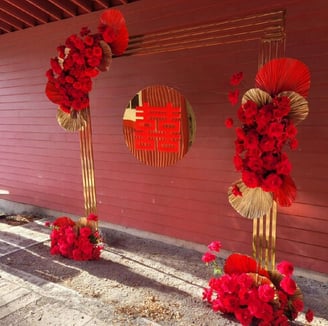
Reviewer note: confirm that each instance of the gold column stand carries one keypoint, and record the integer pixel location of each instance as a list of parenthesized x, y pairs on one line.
[(87, 164), (264, 238)]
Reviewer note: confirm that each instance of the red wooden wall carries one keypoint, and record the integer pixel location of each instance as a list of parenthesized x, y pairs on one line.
[(40, 162)]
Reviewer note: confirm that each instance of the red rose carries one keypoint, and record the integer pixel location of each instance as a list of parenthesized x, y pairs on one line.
[(286, 268), (288, 285), (233, 96), (309, 315), (236, 78), (271, 182), (250, 179), (298, 305), (236, 191), (266, 293), (228, 123)]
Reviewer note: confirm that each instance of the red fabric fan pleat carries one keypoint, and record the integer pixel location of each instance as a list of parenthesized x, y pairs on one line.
[(284, 74), (114, 20), (238, 264), (286, 194), (52, 93)]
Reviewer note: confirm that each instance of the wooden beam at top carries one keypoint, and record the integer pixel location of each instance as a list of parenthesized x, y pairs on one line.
[(12, 21), (85, 6), (48, 8), (67, 7), (5, 27), (33, 12), (103, 3), (18, 14)]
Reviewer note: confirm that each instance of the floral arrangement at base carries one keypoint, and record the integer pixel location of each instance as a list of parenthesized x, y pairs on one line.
[(76, 240), (252, 294)]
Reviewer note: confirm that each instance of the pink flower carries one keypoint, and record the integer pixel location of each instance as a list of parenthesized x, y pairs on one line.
[(285, 268), (215, 246), (208, 257), (309, 315), (288, 285)]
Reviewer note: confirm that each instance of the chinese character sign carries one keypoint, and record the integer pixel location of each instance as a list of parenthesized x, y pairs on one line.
[(158, 128)]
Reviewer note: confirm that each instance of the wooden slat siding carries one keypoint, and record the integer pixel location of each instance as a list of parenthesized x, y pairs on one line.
[(186, 201)]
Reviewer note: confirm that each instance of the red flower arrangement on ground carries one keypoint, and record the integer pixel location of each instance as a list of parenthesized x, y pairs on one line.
[(252, 294), (78, 241), (268, 115), (81, 58)]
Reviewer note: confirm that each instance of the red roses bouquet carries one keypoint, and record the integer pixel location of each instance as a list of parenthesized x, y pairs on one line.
[(78, 61), (268, 114), (78, 241), (252, 294)]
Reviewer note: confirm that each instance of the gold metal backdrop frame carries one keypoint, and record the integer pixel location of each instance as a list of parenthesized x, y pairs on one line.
[(265, 228)]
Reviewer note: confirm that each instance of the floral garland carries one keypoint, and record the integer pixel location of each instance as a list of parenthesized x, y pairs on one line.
[(253, 295), (81, 58), (78, 241), (268, 116)]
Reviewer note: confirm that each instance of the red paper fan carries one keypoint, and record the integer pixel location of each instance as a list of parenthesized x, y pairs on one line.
[(284, 74), (120, 44), (238, 264), (112, 18), (53, 93), (286, 194), (115, 32)]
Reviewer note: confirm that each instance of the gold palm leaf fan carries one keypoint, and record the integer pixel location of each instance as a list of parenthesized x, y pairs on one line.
[(299, 106), (254, 202), (73, 121), (106, 57), (256, 95)]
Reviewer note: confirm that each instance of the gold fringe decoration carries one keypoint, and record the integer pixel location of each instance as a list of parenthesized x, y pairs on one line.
[(299, 106), (87, 163), (73, 121), (253, 203), (106, 58)]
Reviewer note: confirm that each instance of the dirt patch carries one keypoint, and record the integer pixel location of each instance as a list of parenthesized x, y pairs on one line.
[(16, 220)]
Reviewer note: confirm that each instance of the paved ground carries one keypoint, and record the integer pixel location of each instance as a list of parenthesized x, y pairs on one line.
[(28, 300)]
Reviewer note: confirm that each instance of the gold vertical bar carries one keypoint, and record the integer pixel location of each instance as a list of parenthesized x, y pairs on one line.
[(87, 164), (264, 228), (273, 234)]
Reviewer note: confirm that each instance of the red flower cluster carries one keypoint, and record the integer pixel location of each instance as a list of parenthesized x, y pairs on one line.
[(78, 60), (260, 141), (78, 241), (253, 294)]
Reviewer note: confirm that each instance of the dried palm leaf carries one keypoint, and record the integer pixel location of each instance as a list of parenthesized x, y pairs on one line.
[(299, 106), (73, 121), (106, 58), (254, 202), (256, 95)]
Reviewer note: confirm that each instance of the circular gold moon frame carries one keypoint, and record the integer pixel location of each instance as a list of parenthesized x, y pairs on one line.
[(159, 126)]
